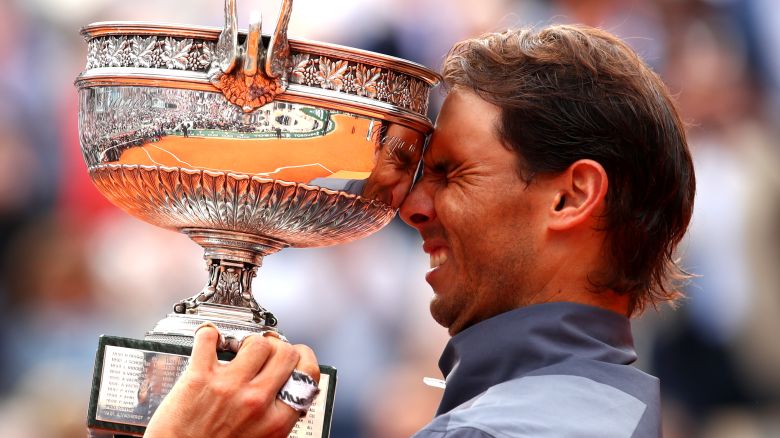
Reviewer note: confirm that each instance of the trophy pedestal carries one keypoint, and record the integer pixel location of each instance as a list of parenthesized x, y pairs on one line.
[(132, 376), (232, 322)]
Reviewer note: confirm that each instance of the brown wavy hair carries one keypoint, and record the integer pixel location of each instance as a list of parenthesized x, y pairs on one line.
[(573, 92)]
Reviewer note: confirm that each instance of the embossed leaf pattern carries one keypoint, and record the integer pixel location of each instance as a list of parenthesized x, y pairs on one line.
[(220, 199), (116, 53), (144, 48), (176, 52), (294, 213), (366, 80), (206, 55), (105, 51), (228, 288), (419, 96), (239, 186), (196, 55), (300, 62), (192, 191), (92, 54), (331, 73), (396, 84)]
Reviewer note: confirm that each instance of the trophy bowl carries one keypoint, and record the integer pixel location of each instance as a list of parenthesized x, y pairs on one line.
[(248, 144)]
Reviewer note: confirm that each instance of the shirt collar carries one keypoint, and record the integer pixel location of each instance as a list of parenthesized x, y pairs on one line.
[(520, 341)]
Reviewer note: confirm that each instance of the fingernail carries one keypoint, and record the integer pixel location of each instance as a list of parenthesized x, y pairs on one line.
[(275, 334), (222, 342), (206, 324)]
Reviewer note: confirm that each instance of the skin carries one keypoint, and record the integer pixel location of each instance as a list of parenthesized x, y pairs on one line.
[(498, 243), (235, 399)]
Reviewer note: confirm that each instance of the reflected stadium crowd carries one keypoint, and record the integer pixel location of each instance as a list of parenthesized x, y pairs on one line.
[(74, 267)]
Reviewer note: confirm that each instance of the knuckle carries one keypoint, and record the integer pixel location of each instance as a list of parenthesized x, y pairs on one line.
[(256, 343), (257, 400), (274, 341), (305, 350), (197, 379), (291, 355), (308, 363), (221, 390)]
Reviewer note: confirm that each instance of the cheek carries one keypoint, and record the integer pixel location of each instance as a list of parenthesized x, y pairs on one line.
[(456, 210)]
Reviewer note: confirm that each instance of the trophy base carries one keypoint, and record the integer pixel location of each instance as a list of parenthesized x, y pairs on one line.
[(132, 377)]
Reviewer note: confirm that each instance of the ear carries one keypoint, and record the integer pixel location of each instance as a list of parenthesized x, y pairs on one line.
[(580, 193)]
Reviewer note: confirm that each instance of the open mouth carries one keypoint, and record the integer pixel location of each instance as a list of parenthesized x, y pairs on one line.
[(438, 257)]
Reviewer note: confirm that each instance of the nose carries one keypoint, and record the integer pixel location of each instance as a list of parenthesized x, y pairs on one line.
[(418, 209)]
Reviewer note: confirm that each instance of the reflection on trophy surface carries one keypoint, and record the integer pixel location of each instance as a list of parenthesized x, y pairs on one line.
[(247, 144)]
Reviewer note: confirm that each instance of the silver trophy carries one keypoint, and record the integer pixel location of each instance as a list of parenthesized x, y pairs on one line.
[(248, 144)]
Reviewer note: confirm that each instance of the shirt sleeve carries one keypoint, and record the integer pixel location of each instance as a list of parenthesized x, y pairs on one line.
[(459, 432)]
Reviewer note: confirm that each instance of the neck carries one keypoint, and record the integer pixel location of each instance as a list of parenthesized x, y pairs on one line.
[(605, 299), (567, 274)]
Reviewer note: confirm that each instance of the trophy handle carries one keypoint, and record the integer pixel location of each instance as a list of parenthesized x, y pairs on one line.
[(251, 87), (277, 62), (227, 50)]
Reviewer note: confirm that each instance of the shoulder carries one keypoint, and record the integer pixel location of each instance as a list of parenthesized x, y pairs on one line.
[(560, 405)]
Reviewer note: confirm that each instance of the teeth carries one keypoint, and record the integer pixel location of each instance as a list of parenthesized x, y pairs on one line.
[(438, 258)]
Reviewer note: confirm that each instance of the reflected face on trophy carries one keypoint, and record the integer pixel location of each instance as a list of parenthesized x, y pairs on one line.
[(481, 224), (397, 156)]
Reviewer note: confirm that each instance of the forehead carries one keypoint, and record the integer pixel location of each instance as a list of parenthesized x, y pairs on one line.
[(466, 124)]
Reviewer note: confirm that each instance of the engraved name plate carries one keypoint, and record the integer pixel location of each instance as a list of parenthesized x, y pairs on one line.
[(132, 377)]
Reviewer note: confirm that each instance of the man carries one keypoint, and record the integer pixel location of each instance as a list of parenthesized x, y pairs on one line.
[(555, 189)]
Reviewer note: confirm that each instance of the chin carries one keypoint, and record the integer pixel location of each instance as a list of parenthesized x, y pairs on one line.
[(440, 313), (447, 316)]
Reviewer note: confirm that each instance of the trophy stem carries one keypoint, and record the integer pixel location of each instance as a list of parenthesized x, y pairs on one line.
[(226, 300), (232, 259)]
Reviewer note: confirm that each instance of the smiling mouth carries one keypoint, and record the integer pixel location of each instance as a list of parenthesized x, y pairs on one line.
[(438, 257)]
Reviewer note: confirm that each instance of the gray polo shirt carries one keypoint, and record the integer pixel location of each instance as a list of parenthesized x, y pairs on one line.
[(548, 370)]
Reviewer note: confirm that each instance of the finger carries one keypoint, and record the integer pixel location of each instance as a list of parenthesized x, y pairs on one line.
[(308, 362), (279, 366), (252, 355), (301, 388), (204, 348)]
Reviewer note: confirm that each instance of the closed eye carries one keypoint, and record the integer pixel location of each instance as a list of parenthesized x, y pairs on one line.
[(436, 169)]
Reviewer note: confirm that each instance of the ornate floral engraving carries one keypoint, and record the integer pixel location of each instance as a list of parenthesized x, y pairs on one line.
[(324, 72), (418, 94), (150, 52), (176, 53), (367, 80), (330, 74), (200, 56), (297, 214), (143, 49), (228, 289)]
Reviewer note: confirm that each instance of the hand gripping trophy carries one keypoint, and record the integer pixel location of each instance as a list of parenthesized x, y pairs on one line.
[(247, 144)]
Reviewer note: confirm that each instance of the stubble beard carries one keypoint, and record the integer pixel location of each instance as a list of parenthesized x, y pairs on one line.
[(497, 289)]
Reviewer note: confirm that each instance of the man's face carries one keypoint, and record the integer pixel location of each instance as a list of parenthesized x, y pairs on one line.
[(481, 224)]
